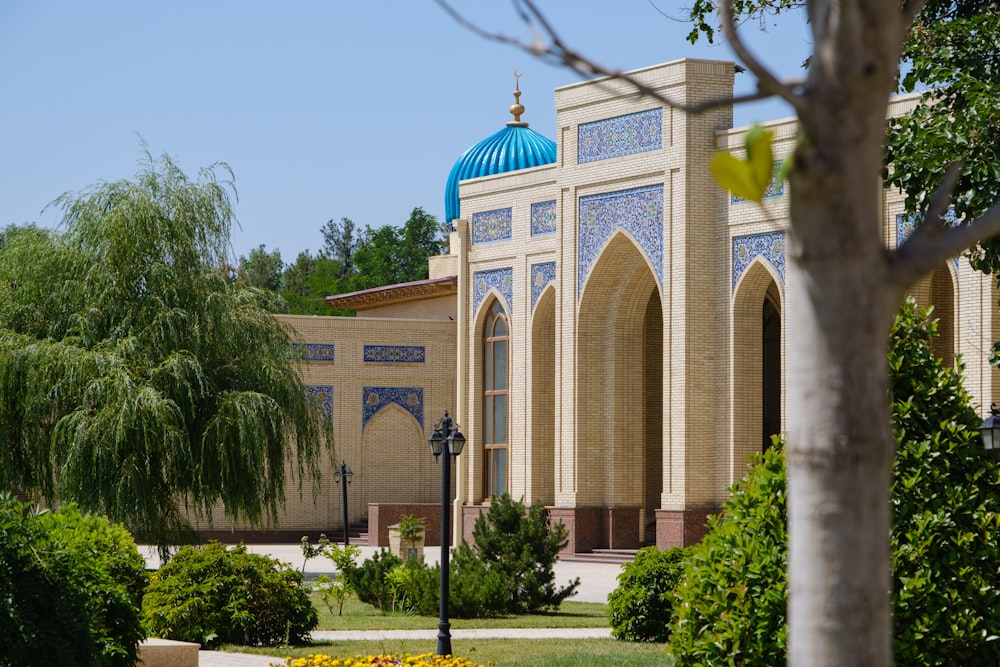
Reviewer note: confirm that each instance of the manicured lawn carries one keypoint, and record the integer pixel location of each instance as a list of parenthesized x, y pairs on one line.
[(360, 616), (500, 652)]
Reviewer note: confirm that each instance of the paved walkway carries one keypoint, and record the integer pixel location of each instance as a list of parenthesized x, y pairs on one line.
[(596, 581)]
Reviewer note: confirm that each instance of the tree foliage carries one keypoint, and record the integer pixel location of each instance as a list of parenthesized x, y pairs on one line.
[(944, 540), (641, 607), (136, 378)]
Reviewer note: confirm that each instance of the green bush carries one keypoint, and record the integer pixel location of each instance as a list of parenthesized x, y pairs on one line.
[(641, 608), (214, 595), (70, 588), (944, 540), (516, 548), (371, 580)]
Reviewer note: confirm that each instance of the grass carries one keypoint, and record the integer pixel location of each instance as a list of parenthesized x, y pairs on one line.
[(360, 616), (497, 652)]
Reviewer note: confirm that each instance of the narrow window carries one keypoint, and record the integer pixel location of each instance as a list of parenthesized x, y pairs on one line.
[(771, 372), (495, 338)]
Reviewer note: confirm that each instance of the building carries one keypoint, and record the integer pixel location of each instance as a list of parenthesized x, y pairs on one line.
[(607, 327)]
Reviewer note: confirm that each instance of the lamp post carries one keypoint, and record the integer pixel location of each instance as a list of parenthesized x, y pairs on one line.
[(989, 430), (448, 439), (344, 473)]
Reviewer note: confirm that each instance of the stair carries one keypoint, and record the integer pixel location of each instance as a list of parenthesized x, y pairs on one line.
[(609, 556), (357, 532)]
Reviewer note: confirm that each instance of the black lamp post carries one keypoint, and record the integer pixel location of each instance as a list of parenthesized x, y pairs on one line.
[(344, 473), (448, 439), (990, 430)]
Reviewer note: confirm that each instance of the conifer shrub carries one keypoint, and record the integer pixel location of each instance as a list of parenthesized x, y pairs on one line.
[(212, 595), (70, 588), (371, 581), (641, 607), (944, 539)]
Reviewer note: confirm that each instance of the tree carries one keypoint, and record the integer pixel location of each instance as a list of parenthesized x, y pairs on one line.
[(843, 287), (261, 269), (390, 255), (340, 243), (945, 510), (135, 378)]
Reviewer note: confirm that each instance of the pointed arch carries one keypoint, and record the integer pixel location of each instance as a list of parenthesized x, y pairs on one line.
[(937, 289), (757, 358), (494, 381), (541, 476), (394, 461), (620, 384)]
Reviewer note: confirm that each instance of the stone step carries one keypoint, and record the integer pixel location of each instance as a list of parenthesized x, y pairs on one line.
[(613, 556)]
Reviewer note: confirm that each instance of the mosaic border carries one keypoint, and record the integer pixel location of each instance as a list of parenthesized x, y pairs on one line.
[(622, 135), (373, 399), (489, 226), (769, 245), (315, 351), (541, 275), (325, 392), (394, 354), (905, 225), (638, 211), (543, 218), (500, 279)]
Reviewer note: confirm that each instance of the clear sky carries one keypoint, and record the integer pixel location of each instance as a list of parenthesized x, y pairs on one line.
[(323, 109)]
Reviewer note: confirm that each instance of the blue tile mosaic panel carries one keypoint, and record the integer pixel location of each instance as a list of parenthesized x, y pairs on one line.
[(541, 276), (770, 246), (325, 394), (638, 211), (491, 226), (906, 223), (502, 280), (313, 351), (374, 399), (775, 189), (621, 135), (543, 218), (398, 354)]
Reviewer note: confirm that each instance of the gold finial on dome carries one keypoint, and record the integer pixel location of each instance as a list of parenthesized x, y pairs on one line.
[(516, 109)]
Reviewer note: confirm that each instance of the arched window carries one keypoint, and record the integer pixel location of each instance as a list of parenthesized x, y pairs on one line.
[(771, 371), (495, 372)]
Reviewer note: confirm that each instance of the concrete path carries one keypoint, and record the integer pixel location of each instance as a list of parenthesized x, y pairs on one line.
[(596, 581)]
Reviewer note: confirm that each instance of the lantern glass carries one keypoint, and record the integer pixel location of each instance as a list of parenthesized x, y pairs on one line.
[(456, 443), (436, 443)]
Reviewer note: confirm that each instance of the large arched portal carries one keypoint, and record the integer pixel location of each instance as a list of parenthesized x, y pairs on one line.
[(757, 364), (541, 474), (937, 289), (620, 394)]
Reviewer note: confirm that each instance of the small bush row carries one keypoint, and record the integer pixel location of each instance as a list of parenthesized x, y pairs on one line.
[(404, 660)]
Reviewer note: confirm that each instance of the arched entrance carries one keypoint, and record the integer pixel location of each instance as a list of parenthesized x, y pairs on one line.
[(541, 475), (937, 289), (620, 394)]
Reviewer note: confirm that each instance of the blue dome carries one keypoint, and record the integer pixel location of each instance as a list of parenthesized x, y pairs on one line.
[(512, 148)]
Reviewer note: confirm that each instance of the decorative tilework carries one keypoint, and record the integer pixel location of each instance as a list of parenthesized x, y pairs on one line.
[(543, 218), (314, 351), (491, 226), (638, 211), (500, 279), (775, 189), (400, 354), (770, 246), (906, 223), (374, 399), (621, 135), (541, 275), (325, 394)]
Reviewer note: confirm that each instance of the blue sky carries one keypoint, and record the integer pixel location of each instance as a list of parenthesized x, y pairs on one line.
[(322, 109)]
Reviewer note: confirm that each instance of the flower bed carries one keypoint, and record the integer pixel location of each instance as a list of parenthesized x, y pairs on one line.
[(405, 660)]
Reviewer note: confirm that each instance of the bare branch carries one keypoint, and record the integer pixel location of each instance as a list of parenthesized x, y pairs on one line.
[(766, 81), (932, 243), (548, 47)]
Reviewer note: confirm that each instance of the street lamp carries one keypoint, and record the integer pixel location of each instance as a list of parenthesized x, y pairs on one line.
[(448, 439), (344, 473), (990, 430)]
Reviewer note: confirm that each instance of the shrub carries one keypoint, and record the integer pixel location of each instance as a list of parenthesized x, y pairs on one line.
[(944, 539), (641, 608), (338, 589), (371, 579), (213, 595), (70, 586)]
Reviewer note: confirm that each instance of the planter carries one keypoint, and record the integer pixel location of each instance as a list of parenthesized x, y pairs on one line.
[(405, 548)]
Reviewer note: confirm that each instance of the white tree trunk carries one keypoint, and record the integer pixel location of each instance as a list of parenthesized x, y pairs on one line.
[(840, 308)]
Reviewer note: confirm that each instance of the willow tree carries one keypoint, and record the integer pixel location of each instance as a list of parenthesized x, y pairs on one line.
[(843, 288), (136, 378)]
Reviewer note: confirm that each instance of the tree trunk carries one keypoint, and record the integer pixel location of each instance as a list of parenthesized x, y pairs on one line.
[(840, 309)]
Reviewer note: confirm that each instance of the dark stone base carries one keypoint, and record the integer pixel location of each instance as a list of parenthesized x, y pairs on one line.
[(592, 528), (680, 528), (383, 515)]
